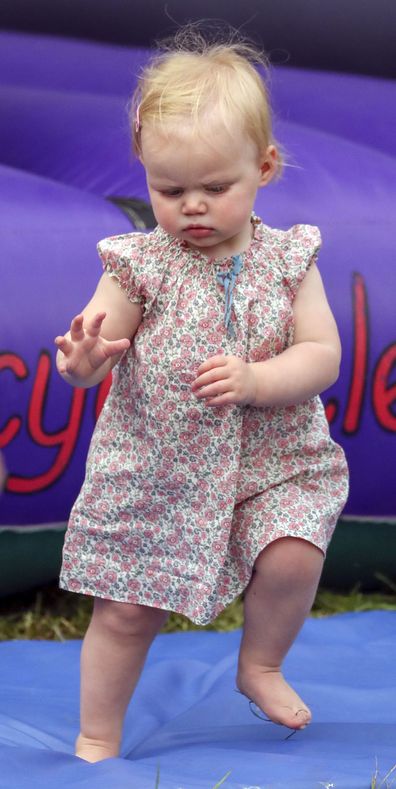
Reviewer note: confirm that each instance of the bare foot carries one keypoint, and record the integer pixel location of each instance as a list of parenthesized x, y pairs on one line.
[(95, 750), (268, 689)]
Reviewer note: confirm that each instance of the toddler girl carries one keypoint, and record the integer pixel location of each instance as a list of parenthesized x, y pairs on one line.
[(211, 470)]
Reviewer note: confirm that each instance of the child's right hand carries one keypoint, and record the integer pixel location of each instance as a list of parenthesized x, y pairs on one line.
[(83, 351)]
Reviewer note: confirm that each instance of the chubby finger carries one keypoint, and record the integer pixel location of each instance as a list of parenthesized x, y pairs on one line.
[(117, 346), (213, 390), (76, 328), (216, 374), (63, 344), (225, 399), (93, 326), (214, 361)]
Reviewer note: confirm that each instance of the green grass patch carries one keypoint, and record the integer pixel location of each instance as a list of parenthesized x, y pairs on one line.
[(55, 615)]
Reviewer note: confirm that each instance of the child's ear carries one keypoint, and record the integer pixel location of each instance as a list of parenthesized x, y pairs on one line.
[(269, 165)]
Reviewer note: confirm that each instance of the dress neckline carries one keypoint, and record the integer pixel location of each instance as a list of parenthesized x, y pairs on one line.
[(196, 254)]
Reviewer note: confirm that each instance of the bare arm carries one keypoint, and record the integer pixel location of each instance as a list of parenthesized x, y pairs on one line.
[(98, 336), (311, 364), (305, 369)]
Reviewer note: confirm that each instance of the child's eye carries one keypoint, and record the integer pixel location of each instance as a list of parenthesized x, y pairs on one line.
[(216, 188), (171, 192)]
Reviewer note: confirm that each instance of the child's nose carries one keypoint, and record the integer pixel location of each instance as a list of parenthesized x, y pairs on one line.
[(194, 203)]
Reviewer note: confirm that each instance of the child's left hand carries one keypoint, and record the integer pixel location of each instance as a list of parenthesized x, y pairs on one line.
[(225, 380)]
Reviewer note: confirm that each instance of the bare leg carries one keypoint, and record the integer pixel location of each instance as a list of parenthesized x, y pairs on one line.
[(112, 658), (277, 601)]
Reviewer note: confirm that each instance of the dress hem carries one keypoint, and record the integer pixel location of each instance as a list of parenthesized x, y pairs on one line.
[(193, 617)]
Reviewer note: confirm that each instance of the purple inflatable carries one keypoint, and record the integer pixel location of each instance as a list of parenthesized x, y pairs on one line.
[(65, 150)]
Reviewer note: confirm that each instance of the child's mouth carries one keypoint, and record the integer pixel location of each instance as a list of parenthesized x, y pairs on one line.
[(198, 231)]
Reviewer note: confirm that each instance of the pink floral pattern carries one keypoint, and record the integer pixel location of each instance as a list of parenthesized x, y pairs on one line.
[(179, 499)]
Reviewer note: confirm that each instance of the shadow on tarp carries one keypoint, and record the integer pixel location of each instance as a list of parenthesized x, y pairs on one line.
[(186, 719)]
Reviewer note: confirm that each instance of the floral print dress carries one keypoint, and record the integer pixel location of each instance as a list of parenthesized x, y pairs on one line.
[(179, 498)]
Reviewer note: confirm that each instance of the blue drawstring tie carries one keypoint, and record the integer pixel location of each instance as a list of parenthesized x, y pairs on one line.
[(227, 279)]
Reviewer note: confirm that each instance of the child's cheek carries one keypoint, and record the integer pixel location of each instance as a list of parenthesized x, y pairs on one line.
[(239, 214), (232, 208), (165, 215)]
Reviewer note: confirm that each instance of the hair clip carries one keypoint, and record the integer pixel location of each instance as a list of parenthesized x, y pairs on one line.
[(137, 119)]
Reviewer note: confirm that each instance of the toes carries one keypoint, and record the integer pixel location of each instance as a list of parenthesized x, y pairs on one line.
[(271, 698), (304, 716)]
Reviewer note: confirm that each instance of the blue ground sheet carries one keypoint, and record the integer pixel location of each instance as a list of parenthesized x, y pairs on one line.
[(187, 728)]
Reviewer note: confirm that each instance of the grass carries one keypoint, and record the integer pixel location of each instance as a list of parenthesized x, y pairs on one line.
[(382, 783), (54, 615), (216, 786)]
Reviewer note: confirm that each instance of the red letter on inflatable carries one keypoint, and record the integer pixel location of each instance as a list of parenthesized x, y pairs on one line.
[(65, 438), (331, 409), (383, 395), (12, 362), (358, 382)]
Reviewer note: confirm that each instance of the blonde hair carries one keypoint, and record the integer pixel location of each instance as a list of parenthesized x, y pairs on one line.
[(192, 77)]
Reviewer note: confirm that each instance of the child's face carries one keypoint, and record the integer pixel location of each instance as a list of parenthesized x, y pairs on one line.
[(203, 190)]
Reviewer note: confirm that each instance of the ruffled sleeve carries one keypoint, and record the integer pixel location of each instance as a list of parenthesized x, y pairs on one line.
[(299, 249), (128, 260)]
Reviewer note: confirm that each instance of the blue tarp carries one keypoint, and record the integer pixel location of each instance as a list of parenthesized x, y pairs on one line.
[(186, 719)]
